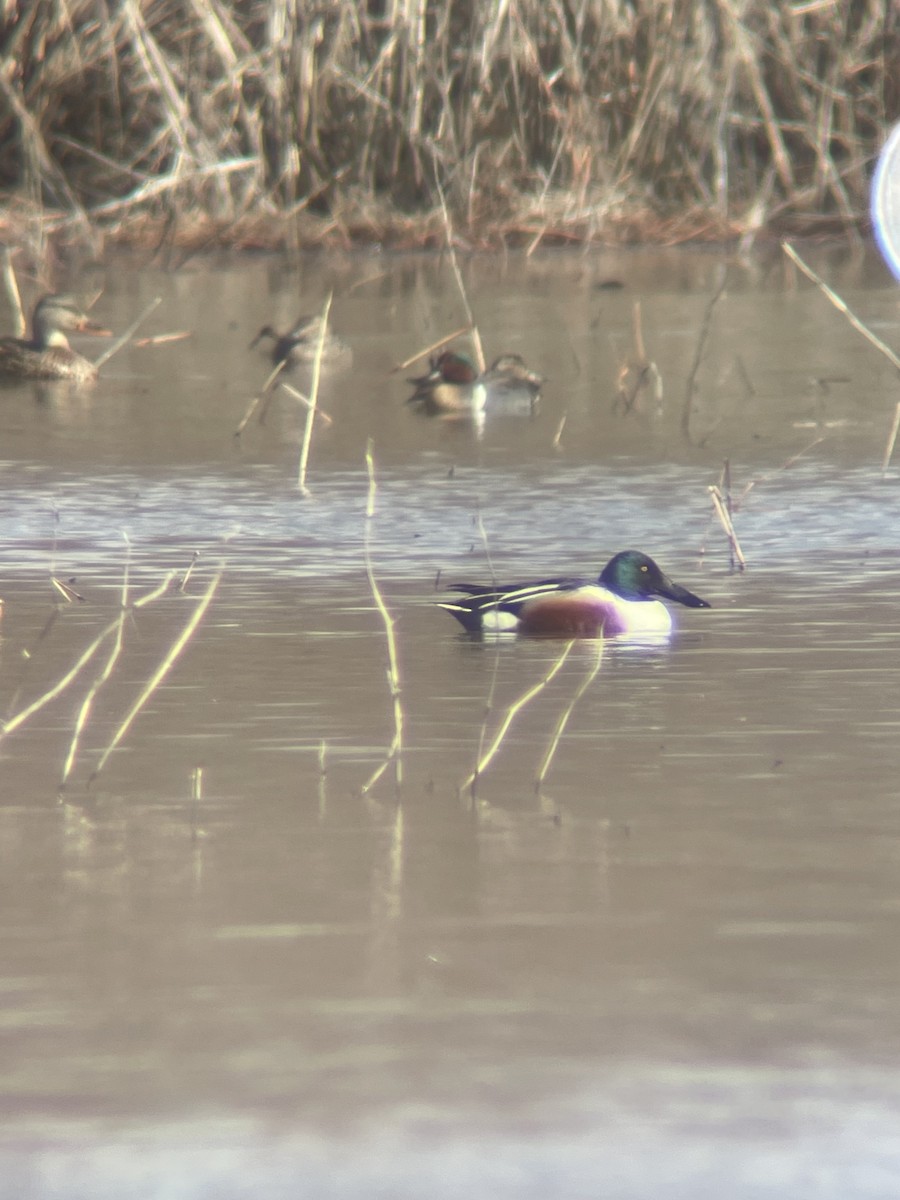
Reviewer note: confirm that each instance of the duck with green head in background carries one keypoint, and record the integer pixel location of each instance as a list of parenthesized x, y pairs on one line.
[(453, 385)]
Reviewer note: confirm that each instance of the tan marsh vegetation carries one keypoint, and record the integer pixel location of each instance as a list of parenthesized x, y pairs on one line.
[(298, 121)]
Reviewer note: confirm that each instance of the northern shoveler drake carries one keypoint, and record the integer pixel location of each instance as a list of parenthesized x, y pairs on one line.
[(299, 344), (622, 601), (47, 353), (453, 385)]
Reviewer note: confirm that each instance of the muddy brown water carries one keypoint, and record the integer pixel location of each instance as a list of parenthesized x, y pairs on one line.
[(672, 970)]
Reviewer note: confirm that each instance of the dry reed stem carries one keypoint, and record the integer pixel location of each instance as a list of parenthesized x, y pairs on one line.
[(264, 397), (162, 670), (482, 533), (841, 306), (313, 397), (154, 189), (126, 336), (297, 395), (721, 510), (29, 655), (725, 486), (248, 413), (563, 721), (451, 250), (429, 350), (195, 558), (788, 462), (104, 675), (512, 712), (160, 590), (751, 64), (65, 591), (36, 148), (638, 372), (489, 699), (860, 327), (163, 339), (11, 287), (60, 686), (272, 377), (36, 705), (725, 490), (393, 887), (487, 712), (545, 119), (323, 779), (891, 440), (395, 750)]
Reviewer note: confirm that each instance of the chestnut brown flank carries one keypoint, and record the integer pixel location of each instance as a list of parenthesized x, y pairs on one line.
[(566, 616)]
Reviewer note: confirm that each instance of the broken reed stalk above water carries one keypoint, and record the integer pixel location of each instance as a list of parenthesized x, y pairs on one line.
[(722, 509), (725, 505), (264, 124)]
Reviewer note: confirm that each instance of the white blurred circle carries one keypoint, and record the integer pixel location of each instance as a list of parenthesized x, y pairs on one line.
[(886, 201)]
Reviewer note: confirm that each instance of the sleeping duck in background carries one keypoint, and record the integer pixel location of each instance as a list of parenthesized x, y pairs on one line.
[(453, 385), (47, 353)]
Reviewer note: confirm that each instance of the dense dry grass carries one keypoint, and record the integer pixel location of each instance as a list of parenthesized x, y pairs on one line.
[(258, 122)]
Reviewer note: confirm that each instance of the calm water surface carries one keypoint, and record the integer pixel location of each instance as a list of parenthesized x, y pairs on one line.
[(671, 970)]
